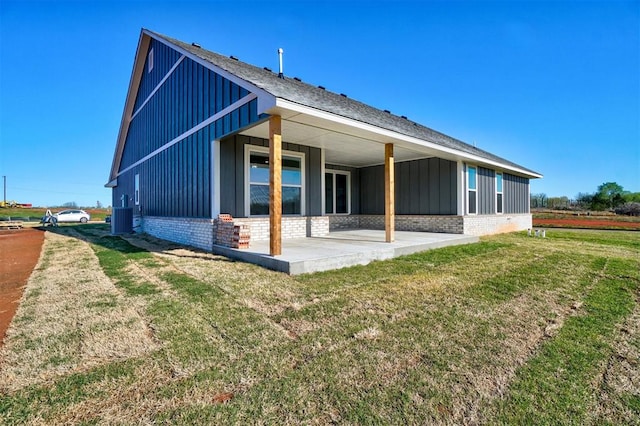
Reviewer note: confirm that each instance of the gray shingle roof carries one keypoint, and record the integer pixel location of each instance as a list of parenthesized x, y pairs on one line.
[(324, 100)]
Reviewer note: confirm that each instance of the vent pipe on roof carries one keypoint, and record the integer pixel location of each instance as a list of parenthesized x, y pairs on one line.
[(280, 52)]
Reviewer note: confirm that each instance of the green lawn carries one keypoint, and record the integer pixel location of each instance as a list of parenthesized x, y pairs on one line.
[(511, 330)]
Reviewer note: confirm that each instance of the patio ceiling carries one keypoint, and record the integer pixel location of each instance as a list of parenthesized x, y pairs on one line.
[(343, 144)]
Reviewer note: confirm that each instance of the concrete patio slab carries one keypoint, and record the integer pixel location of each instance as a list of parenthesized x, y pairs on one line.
[(340, 249)]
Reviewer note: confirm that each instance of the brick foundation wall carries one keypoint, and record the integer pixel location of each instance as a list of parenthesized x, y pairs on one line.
[(496, 224), (468, 225), (292, 227), (188, 231), (200, 232), (337, 223), (413, 223)]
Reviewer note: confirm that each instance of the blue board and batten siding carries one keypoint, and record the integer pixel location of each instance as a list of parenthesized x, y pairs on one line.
[(426, 186), (515, 191), (516, 194), (486, 191), (164, 58), (176, 181)]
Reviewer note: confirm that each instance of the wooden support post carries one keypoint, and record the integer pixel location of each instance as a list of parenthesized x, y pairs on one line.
[(389, 194), (275, 185)]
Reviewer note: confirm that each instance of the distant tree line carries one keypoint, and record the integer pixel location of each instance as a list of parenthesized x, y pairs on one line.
[(74, 205), (609, 196)]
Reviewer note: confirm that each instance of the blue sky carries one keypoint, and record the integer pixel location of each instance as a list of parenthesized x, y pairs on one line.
[(553, 86)]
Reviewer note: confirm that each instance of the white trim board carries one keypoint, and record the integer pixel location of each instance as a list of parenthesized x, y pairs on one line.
[(153, 92), (335, 172), (501, 192), (134, 82), (468, 188), (247, 183), (215, 178), (191, 131)]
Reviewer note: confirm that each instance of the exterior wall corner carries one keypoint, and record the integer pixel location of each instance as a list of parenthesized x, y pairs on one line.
[(479, 225)]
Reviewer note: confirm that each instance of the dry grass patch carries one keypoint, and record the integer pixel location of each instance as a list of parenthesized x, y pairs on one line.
[(619, 399), (71, 319), (265, 291), (434, 338)]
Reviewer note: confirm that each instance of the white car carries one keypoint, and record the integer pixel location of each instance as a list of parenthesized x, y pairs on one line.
[(72, 216)]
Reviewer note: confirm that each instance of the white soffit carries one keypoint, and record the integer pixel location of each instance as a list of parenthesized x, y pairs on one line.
[(340, 148), (353, 139)]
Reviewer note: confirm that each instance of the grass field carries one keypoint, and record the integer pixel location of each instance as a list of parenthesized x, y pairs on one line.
[(36, 213), (511, 330)]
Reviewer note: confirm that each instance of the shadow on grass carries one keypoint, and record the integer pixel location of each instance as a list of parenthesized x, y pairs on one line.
[(95, 234), (100, 235)]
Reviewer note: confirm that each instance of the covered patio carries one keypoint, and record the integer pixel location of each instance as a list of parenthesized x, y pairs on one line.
[(288, 161), (346, 143), (341, 249)]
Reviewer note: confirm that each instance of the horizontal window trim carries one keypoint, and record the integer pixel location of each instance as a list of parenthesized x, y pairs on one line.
[(153, 92), (193, 130), (248, 148)]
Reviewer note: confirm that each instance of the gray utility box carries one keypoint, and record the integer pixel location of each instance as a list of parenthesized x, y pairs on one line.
[(122, 220)]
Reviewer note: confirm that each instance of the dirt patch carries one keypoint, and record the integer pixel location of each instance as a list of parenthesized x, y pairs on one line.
[(19, 253), (585, 223)]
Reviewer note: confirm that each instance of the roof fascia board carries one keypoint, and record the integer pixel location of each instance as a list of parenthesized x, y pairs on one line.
[(265, 99), (134, 83), (292, 106)]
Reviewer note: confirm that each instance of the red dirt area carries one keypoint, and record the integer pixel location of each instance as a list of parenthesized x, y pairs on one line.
[(19, 253), (586, 223)]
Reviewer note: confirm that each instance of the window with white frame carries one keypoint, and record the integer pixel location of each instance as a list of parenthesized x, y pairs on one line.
[(257, 200), (337, 198), (472, 183), (136, 196), (499, 201), (150, 61)]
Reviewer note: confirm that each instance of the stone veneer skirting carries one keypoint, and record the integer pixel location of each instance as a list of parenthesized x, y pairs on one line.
[(468, 225)]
